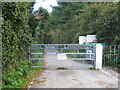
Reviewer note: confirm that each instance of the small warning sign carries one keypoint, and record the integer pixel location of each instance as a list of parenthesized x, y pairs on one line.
[(61, 56)]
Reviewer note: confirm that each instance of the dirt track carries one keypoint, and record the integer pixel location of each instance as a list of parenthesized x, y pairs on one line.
[(73, 77)]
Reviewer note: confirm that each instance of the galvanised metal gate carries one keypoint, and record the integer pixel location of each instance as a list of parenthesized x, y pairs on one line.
[(78, 56)]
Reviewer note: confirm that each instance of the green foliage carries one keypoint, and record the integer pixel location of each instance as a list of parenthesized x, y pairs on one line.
[(92, 68), (17, 77), (70, 20), (61, 68), (17, 34), (119, 68), (39, 25)]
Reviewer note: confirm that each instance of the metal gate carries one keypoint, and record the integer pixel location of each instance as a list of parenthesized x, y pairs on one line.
[(111, 56), (65, 56)]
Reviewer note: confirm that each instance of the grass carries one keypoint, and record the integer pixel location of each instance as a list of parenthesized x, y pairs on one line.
[(92, 68), (62, 68), (78, 60)]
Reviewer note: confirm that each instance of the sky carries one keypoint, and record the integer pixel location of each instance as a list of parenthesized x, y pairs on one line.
[(45, 4)]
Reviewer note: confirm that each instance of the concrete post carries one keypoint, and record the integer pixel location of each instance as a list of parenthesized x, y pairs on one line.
[(99, 52)]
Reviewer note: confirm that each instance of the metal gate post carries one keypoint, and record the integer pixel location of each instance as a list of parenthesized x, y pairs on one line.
[(99, 52)]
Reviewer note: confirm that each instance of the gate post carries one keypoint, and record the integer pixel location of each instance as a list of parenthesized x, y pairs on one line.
[(99, 52)]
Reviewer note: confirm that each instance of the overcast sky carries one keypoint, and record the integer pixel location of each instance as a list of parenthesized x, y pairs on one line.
[(45, 4)]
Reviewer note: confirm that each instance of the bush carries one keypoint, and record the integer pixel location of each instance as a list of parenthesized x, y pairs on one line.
[(17, 76)]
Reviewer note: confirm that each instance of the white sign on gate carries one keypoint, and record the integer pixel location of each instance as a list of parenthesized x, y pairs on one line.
[(61, 56)]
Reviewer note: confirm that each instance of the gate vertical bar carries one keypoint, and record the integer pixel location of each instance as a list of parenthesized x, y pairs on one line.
[(115, 55)]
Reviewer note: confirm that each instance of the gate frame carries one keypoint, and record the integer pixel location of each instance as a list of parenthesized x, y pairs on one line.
[(98, 52)]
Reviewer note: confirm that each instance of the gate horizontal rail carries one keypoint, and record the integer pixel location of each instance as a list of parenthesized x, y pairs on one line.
[(82, 51), (61, 46), (70, 59), (66, 53)]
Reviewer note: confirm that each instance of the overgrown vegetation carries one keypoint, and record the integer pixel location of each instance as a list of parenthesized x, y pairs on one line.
[(18, 75), (20, 28)]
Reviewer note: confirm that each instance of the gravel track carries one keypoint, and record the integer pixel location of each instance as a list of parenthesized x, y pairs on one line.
[(77, 75)]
